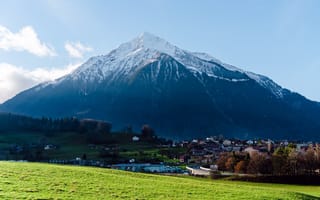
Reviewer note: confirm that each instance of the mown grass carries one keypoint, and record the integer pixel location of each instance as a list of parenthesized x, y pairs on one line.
[(44, 181)]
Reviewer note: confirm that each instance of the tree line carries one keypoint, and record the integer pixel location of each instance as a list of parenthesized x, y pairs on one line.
[(284, 161), (12, 122)]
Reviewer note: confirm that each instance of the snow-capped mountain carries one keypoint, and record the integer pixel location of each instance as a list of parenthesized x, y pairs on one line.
[(178, 92), (146, 48)]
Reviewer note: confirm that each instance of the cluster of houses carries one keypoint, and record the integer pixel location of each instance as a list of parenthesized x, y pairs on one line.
[(206, 151)]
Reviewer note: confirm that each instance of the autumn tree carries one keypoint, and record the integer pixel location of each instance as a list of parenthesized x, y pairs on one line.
[(221, 162), (311, 163), (259, 163), (230, 164), (293, 164), (280, 162), (241, 167)]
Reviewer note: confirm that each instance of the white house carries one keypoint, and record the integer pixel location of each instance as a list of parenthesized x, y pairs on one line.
[(226, 142), (49, 146), (135, 138), (250, 142), (250, 150)]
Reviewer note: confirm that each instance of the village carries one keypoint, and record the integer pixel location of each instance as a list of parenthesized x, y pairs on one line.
[(212, 155), (217, 154), (91, 143)]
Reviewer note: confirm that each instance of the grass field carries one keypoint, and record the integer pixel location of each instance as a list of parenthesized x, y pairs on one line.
[(44, 181)]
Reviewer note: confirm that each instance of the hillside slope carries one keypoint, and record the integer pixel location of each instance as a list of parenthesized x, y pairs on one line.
[(43, 181)]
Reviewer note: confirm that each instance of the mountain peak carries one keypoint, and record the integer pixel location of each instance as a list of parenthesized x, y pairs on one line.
[(150, 41), (131, 56), (148, 36)]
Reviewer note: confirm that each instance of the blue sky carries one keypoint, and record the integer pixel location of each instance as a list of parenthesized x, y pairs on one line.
[(277, 38)]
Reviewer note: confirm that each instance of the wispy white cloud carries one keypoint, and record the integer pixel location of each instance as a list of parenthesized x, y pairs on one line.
[(14, 79), (76, 49), (24, 40)]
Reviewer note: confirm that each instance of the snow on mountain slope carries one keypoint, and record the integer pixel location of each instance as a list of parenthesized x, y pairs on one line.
[(131, 56), (262, 80)]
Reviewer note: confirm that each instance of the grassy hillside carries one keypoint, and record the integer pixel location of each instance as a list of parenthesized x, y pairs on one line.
[(44, 181), (71, 145)]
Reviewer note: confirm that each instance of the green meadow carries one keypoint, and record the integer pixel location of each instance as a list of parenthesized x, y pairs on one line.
[(45, 181)]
